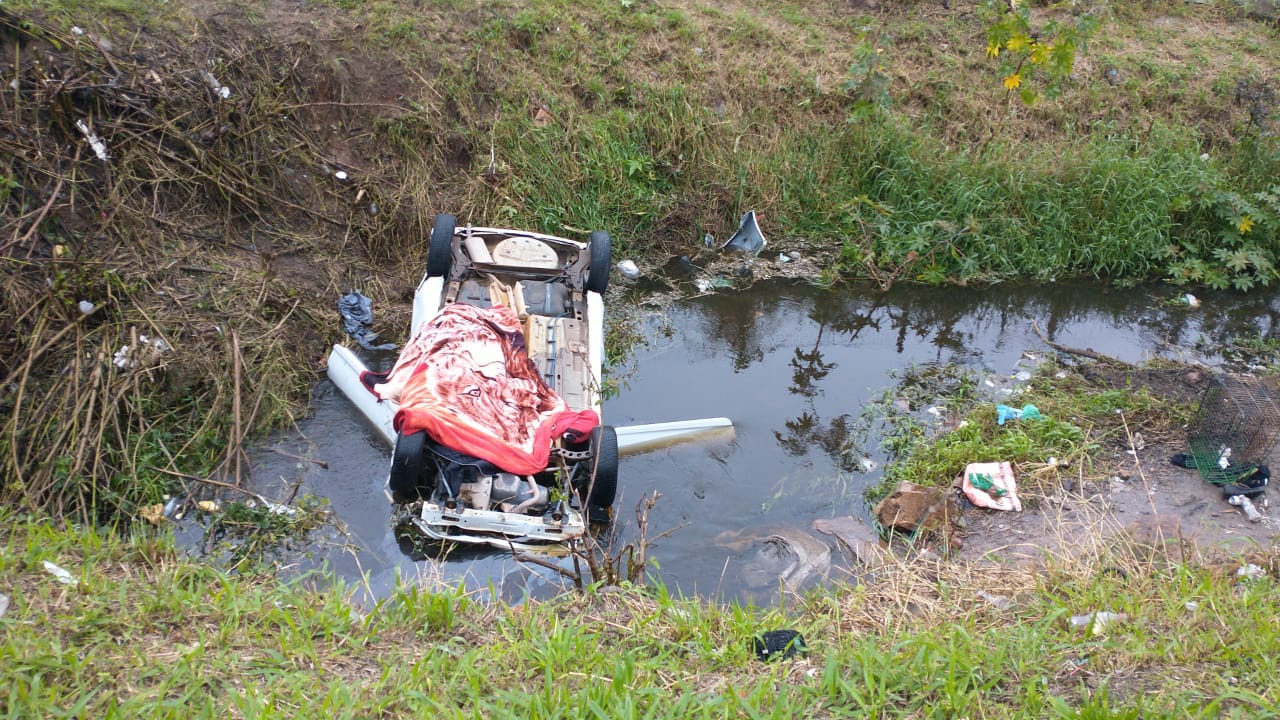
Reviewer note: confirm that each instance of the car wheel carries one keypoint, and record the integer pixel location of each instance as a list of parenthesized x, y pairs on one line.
[(601, 260), (604, 472), (406, 467), (440, 251)]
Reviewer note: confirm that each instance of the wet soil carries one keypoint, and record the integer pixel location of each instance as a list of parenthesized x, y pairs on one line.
[(1132, 499)]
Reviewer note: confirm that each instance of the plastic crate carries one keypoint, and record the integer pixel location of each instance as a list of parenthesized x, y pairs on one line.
[(1234, 428)]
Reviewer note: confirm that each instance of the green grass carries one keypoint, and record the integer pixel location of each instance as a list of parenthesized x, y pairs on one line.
[(144, 632)]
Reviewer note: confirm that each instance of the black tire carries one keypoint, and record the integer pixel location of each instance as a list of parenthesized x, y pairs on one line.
[(407, 461), (601, 261), (604, 473), (440, 251)]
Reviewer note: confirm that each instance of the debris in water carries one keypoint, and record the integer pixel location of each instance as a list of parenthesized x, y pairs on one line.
[(153, 514), (208, 506)]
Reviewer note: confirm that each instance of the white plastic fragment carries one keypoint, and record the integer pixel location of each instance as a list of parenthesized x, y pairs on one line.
[(1251, 572), (62, 575), (629, 269), (1191, 300), (4, 604), (1096, 622), (95, 142), (1247, 506), (218, 88), (1191, 605), (341, 174), (76, 30), (784, 258), (86, 307)]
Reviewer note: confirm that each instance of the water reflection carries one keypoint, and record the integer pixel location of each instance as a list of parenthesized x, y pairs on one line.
[(793, 367)]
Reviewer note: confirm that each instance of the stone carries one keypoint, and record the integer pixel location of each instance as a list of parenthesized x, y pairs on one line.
[(919, 509)]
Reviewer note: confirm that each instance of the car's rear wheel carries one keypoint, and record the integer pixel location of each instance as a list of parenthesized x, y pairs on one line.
[(440, 251), (604, 474), (601, 258), (407, 461)]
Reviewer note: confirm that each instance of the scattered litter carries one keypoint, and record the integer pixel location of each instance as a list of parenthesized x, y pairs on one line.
[(341, 174), (153, 514), (4, 604), (77, 30), (1247, 506), (1060, 375), (1189, 300), (357, 320), (775, 644), (129, 357), (1022, 376), (705, 286), (629, 269), (1027, 412), (62, 575), (95, 142), (1000, 602), (991, 485), (208, 506), (218, 88), (171, 506), (866, 464), (86, 307), (1251, 572), (1096, 622), (1191, 605), (1139, 442), (748, 239), (1204, 157), (783, 258), (709, 240), (542, 117)]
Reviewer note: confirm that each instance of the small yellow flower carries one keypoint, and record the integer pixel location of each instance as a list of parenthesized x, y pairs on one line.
[(993, 49), (1016, 43), (1245, 225), (1013, 81)]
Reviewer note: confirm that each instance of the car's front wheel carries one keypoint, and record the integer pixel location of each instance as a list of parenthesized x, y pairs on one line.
[(601, 258), (440, 251)]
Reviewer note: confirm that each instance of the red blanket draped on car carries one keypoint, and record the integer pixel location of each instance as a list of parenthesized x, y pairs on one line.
[(466, 379)]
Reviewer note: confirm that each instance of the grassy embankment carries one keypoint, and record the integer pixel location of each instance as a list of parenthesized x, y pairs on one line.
[(142, 632), (215, 226), (879, 142)]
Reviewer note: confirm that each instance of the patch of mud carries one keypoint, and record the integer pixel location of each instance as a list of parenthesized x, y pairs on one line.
[(1133, 499)]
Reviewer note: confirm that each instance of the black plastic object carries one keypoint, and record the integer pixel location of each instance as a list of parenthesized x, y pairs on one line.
[(776, 644), (748, 239), (406, 467), (440, 251), (1235, 489), (357, 320), (601, 259)]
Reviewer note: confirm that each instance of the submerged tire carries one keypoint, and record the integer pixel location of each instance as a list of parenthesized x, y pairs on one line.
[(407, 460), (601, 260), (440, 251), (604, 473)]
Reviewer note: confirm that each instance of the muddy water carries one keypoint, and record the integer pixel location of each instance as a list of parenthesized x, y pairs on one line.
[(791, 366)]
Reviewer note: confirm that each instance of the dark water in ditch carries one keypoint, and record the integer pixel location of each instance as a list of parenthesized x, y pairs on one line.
[(790, 365)]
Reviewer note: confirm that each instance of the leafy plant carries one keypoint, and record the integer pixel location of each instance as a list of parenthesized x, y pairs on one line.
[(1031, 56)]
